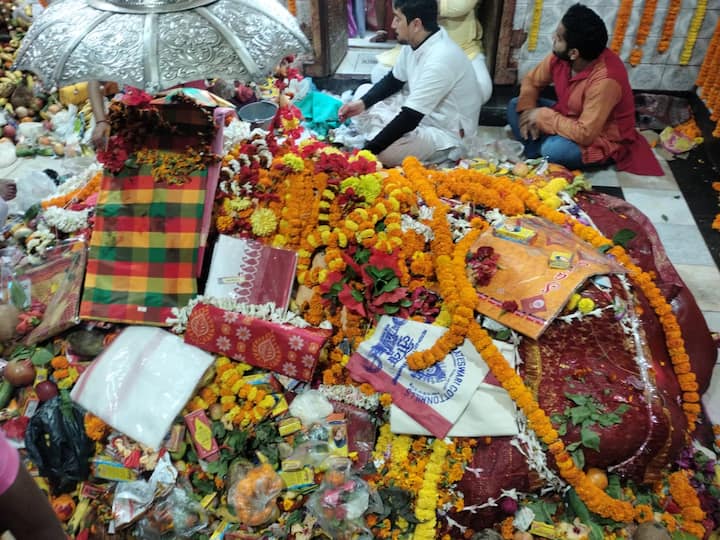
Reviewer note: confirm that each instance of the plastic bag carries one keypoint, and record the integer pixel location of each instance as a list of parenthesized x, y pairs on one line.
[(176, 516), (310, 407), (31, 189), (57, 443), (253, 493), (340, 502)]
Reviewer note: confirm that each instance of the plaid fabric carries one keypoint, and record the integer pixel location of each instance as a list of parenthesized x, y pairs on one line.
[(144, 247)]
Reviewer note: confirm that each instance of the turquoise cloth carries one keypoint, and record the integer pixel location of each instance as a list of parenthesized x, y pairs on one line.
[(320, 111)]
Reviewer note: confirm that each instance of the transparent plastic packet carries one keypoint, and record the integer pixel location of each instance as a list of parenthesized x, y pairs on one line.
[(175, 516), (340, 502), (253, 494)]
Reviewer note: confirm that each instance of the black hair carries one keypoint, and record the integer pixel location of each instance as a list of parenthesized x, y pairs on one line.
[(425, 10), (585, 31)]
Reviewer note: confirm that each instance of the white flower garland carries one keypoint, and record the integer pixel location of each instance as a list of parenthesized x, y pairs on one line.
[(66, 221), (76, 182), (351, 395), (269, 312)]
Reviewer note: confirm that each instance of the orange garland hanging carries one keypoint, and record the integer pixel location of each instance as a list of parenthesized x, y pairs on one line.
[(668, 28), (621, 24), (708, 80), (646, 20)]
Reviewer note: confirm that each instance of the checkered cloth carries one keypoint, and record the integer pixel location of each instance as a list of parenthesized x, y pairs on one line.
[(144, 247)]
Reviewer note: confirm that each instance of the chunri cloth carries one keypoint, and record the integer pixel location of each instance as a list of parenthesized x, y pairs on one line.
[(144, 247), (436, 397)]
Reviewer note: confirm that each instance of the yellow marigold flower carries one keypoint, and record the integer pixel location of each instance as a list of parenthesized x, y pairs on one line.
[(239, 204), (263, 221), (367, 154), (586, 305), (293, 161), (443, 319), (573, 302), (224, 223)]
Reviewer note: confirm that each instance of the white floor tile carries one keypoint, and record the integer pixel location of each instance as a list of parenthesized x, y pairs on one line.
[(664, 206), (684, 245), (603, 178), (704, 282), (712, 318), (649, 182)]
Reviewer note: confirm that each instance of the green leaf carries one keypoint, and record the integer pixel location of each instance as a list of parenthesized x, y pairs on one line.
[(362, 255), (579, 414), (623, 236), (21, 353), (578, 457), (391, 285), (573, 446), (357, 295), (596, 531), (503, 335), (590, 438), (544, 511), (41, 357), (294, 518), (614, 488), (578, 399), (682, 535), (18, 297), (604, 248), (562, 429), (577, 506), (219, 467), (32, 212), (218, 430), (391, 309), (622, 408)]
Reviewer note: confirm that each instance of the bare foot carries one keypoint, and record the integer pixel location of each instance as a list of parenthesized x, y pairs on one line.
[(8, 189)]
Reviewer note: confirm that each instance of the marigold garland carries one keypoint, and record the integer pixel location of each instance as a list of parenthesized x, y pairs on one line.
[(596, 499), (77, 195), (427, 496), (535, 25), (668, 28), (686, 497), (646, 20), (621, 24), (691, 38), (708, 80)]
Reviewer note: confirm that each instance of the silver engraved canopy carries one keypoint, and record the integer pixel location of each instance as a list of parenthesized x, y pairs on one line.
[(155, 44)]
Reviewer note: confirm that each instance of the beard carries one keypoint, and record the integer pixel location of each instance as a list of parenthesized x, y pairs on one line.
[(562, 55)]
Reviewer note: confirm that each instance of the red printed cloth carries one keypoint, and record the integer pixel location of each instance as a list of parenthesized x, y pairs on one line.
[(281, 348)]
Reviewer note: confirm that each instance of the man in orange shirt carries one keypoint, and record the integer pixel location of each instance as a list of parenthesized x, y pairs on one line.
[(593, 120)]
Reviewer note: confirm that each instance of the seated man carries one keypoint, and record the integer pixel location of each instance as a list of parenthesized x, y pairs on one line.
[(593, 121), (458, 19), (440, 99)]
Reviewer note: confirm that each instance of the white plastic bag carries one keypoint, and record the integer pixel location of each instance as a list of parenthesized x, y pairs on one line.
[(140, 383)]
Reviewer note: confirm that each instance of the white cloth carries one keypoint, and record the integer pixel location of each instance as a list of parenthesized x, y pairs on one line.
[(141, 382), (490, 413), (436, 399)]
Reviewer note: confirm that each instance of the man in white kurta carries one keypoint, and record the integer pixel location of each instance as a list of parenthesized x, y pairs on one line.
[(435, 97)]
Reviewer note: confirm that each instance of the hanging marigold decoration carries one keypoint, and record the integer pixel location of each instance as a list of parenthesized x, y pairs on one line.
[(708, 80), (692, 34), (621, 24), (535, 25), (669, 25), (646, 20)]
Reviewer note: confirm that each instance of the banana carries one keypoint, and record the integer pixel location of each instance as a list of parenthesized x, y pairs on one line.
[(9, 108)]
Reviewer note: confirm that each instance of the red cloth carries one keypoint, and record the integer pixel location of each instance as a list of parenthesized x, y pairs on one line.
[(281, 348), (595, 109)]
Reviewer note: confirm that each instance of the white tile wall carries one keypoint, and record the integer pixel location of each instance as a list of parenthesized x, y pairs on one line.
[(656, 71)]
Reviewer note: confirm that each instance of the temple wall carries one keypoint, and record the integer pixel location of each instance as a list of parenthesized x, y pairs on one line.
[(656, 71)]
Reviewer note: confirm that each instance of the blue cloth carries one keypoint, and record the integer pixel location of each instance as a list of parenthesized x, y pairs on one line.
[(320, 111), (554, 148)]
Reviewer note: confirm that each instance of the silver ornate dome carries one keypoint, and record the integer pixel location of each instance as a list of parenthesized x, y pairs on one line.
[(155, 44)]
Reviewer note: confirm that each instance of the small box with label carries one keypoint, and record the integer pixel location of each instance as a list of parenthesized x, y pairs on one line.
[(560, 259), (514, 233)]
